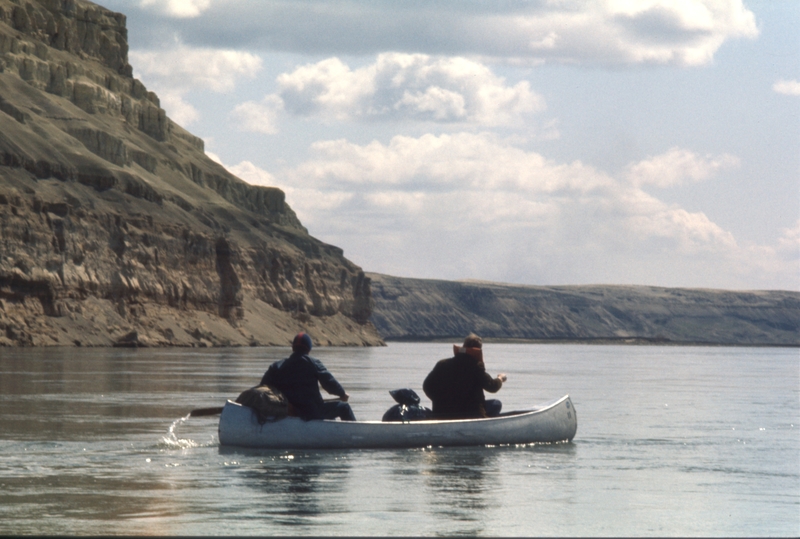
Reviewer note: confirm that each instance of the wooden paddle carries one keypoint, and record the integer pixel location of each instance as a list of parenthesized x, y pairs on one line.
[(206, 411), (199, 412)]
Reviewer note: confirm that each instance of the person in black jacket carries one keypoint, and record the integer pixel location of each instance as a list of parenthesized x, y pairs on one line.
[(299, 376), (456, 385)]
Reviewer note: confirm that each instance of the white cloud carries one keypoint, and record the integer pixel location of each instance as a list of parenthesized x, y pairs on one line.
[(258, 117), (683, 32), (462, 161), (787, 87), (678, 32), (252, 174), (467, 205), (174, 72), (415, 86), (179, 110), (185, 67), (178, 8), (789, 243), (476, 206), (214, 157), (677, 166), (328, 86), (321, 201)]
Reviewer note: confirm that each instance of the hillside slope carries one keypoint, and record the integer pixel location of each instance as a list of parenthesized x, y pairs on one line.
[(115, 226), (415, 309)]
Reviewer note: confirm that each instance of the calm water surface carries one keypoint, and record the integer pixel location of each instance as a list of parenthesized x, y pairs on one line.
[(671, 441)]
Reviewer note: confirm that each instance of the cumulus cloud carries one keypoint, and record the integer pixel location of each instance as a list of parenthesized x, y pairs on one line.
[(476, 206), (445, 176), (787, 87), (214, 157), (458, 162), (258, 117), (183, 66), (252, 174), (789, 242), (678, 166), (684, 32), (172, 73), (180, 111), (414, 86), (178, 8)]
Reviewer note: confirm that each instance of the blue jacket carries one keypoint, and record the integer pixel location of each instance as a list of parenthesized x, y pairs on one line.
[(297, 377)]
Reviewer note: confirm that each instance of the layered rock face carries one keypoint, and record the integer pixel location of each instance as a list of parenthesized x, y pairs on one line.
[(116, 228), (419, 309)]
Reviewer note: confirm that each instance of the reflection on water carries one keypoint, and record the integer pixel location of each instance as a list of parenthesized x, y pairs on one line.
[(302, 490), (460, 487), (296, 491), (459, 481)]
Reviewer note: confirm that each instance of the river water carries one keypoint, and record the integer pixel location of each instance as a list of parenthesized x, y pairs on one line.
[(672, 441)]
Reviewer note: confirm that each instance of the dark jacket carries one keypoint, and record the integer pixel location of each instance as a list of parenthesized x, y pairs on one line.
[(297, 377), (455, 387)]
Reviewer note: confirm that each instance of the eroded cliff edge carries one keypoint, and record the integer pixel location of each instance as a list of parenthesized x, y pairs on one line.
[(116, 228), (421, 309)]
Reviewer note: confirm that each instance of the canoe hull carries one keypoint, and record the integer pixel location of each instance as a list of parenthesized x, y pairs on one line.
[(553, 422)]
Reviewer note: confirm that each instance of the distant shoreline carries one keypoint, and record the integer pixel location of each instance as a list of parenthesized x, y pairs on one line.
[(629, 341), (434, 310)]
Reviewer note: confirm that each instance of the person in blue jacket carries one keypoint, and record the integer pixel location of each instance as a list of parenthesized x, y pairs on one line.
[(299, 376)]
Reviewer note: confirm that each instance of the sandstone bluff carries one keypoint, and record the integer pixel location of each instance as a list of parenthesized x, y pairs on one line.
[(117, 229)]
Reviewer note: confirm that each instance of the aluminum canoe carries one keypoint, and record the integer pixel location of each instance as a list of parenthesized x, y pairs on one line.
[(554, 421)]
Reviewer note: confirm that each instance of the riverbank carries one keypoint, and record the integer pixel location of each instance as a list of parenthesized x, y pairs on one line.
[(434, 310)]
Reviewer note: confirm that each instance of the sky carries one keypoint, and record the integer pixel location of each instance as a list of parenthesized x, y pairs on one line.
[(540, 142)]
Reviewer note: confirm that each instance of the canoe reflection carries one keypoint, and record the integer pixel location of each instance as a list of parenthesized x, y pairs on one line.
[(461, 482), (295, 489)]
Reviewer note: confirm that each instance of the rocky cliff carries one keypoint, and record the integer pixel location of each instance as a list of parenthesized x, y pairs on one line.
[(115, 228), (420, 309)]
